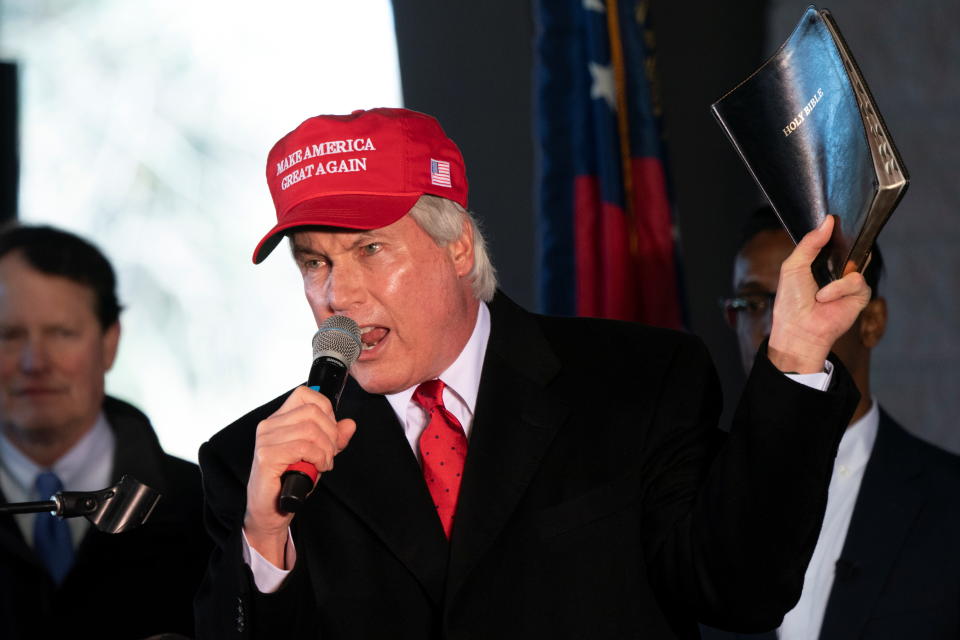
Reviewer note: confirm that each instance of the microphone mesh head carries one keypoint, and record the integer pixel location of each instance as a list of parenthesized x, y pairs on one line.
[(338, 337)]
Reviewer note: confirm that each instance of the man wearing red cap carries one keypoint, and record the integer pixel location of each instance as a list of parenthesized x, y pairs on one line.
[(491, 473)]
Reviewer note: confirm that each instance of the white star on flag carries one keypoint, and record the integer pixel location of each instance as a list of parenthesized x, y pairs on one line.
[(594, 5), (602, 84)]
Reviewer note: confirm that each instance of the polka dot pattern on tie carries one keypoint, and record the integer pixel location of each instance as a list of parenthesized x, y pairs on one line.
[(443, 450)]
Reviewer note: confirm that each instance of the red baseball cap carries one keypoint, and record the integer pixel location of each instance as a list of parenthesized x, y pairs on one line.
[(359, 171)]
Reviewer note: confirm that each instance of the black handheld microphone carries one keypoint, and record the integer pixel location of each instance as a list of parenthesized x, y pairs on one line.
[(336, 346)]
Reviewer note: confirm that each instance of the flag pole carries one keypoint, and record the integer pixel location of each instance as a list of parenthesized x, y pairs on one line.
[(623, 121)]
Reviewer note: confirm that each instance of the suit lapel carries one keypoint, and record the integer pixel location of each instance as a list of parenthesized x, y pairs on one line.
[(514, 423), (378, 478), (138, 451), (890, 498)]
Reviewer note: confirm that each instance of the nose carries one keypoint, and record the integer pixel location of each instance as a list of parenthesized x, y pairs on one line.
[(345, 288), (34, 357)]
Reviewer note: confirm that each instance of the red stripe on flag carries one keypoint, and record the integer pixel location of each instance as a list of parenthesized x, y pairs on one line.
[(586, 242), (612, 283), (656, 262), (601, 255)]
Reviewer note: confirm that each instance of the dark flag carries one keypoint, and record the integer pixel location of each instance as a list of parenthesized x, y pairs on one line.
[(607, 241)]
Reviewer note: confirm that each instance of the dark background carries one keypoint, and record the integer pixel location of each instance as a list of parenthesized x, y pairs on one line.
[(472, 65)]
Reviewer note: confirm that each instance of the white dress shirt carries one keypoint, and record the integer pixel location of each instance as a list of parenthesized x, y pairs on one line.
[(803, 622), (87, 466)]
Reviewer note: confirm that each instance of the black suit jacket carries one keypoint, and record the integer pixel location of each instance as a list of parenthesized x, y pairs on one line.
[(898, 575), (128, 585), (592, 504)]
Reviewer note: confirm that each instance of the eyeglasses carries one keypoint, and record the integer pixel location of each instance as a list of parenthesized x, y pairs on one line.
[(751, 305)]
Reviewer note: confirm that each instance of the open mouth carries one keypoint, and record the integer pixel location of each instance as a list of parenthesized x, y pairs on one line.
[(371, 336)]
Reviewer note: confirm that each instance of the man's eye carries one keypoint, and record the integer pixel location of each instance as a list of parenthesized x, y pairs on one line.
[(757, 303), (370, 249), (9, 334), (314, 263)]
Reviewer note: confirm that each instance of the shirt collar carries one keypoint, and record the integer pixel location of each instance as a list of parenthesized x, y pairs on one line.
[(857, 441), (463, 376), (73, 468)]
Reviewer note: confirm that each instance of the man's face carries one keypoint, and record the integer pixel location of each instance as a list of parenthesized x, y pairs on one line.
[(411, 298), (53, 353)]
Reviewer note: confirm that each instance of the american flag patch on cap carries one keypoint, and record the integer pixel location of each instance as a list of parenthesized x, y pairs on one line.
[(439, 173)]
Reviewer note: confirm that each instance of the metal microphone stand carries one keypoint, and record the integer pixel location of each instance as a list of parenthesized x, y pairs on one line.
[(123, 506)]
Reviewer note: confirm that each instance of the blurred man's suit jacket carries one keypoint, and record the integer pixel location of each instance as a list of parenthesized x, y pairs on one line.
[(128, 585), (898, 576)]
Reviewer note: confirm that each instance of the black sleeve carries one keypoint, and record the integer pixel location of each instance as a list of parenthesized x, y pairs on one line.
[(732, 527), (228, 604)]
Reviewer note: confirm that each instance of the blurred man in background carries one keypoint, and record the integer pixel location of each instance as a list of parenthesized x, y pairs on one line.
[(887, 562), (59, 331)]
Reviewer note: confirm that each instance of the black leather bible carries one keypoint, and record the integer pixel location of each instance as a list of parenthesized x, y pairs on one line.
[(809, 131)]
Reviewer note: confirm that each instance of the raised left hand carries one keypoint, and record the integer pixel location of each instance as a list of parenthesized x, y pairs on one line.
[(807, 320)]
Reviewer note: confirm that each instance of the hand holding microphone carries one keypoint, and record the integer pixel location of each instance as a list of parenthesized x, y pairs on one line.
[(336, 346), (300, 440)]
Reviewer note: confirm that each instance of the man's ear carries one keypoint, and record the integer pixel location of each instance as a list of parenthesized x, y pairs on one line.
[(873, 322), (461, 250), (111, 339)]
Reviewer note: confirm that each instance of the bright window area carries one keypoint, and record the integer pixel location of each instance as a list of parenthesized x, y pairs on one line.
[(145, 127)]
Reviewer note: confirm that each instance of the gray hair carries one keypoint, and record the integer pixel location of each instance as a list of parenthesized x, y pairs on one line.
[(443, 220)]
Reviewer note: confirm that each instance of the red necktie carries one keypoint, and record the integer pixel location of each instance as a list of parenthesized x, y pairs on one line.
[(443, 449)]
